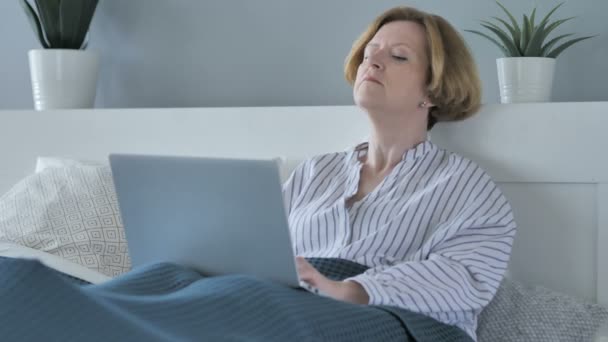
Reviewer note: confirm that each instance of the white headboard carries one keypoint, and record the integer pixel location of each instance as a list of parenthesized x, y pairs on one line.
[(548, 158)]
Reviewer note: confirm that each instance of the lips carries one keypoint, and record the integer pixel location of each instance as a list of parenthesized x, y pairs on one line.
[(372, 79)]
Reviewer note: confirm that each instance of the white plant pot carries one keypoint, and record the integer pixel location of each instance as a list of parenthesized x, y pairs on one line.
[(525, 79), (63, 78)]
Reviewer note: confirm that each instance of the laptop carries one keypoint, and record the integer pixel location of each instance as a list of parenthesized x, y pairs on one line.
[(216, 216)]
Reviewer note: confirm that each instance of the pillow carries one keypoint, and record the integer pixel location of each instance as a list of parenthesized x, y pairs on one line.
[(71, 212), (69, 208), (523, 313), (43, 163)]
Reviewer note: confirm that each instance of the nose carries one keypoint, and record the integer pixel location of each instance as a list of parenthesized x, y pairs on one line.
[(375, 61)]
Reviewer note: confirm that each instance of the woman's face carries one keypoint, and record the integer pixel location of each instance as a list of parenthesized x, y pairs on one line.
[(392, 76)]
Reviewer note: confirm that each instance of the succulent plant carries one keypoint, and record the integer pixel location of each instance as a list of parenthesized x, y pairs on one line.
[(61, 24), (527, 39)]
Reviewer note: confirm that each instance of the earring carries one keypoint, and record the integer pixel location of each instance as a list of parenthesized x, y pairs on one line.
[(422, 104)]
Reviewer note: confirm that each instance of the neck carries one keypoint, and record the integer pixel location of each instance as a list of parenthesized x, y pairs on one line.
[(391, 137)]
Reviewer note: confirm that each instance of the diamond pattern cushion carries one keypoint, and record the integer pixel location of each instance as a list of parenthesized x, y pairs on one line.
[(71, 212)]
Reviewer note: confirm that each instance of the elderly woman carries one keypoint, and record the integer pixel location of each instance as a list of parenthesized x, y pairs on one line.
[(420, 234), (434, 230)]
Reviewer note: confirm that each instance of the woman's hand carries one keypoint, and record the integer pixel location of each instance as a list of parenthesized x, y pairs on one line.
[(348, 291)]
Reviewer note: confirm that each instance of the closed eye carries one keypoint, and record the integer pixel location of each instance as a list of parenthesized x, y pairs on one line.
[(399, 58)]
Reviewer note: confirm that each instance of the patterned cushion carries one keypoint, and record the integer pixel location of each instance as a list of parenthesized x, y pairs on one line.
[(44, 162), (523, 313), (71, 212)]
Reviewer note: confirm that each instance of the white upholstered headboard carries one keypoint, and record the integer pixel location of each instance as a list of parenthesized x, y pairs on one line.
[(549, 159)]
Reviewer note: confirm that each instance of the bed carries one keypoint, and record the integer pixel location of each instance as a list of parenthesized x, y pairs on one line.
[(548, 158)]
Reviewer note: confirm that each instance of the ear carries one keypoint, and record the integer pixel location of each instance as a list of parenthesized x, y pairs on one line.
[(429, 103), (426, 104)]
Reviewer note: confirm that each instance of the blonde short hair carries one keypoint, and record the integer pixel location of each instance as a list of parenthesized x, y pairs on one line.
[(453, 82)]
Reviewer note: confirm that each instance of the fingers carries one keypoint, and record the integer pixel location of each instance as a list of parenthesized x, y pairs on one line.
[(300, 265), (307, 272), (303, 264)]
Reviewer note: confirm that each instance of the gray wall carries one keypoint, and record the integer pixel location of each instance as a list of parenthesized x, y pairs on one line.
[(182, 53)]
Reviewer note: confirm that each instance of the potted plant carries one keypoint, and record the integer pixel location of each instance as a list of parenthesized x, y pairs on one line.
[(63, 73), (525, 74)]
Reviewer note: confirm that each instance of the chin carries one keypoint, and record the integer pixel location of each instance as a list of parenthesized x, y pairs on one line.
[(369, 103)]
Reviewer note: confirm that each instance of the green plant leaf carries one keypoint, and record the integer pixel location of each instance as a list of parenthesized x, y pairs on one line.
[(535, 44), (546, 18), (554, 25), (529, 40), (532, 18), (34, 22), (552, 42), (540, 33), (514, 33), (511, 17), (74, 20), (503, 36), (488, 23), (525, 35), (558, 50), (502, 48), (49, 18)]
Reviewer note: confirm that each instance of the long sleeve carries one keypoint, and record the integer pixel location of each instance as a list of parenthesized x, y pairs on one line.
[(460, 266)]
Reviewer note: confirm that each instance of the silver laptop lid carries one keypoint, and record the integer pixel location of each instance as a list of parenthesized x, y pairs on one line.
[(218, 216)]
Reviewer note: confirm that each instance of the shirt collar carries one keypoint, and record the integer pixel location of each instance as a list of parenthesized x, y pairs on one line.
[(417, 151)]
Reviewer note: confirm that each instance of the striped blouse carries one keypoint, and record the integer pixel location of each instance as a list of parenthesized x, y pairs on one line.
[(436, 232)]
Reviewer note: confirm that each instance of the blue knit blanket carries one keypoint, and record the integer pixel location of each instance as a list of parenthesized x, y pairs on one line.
[(166, 302)]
